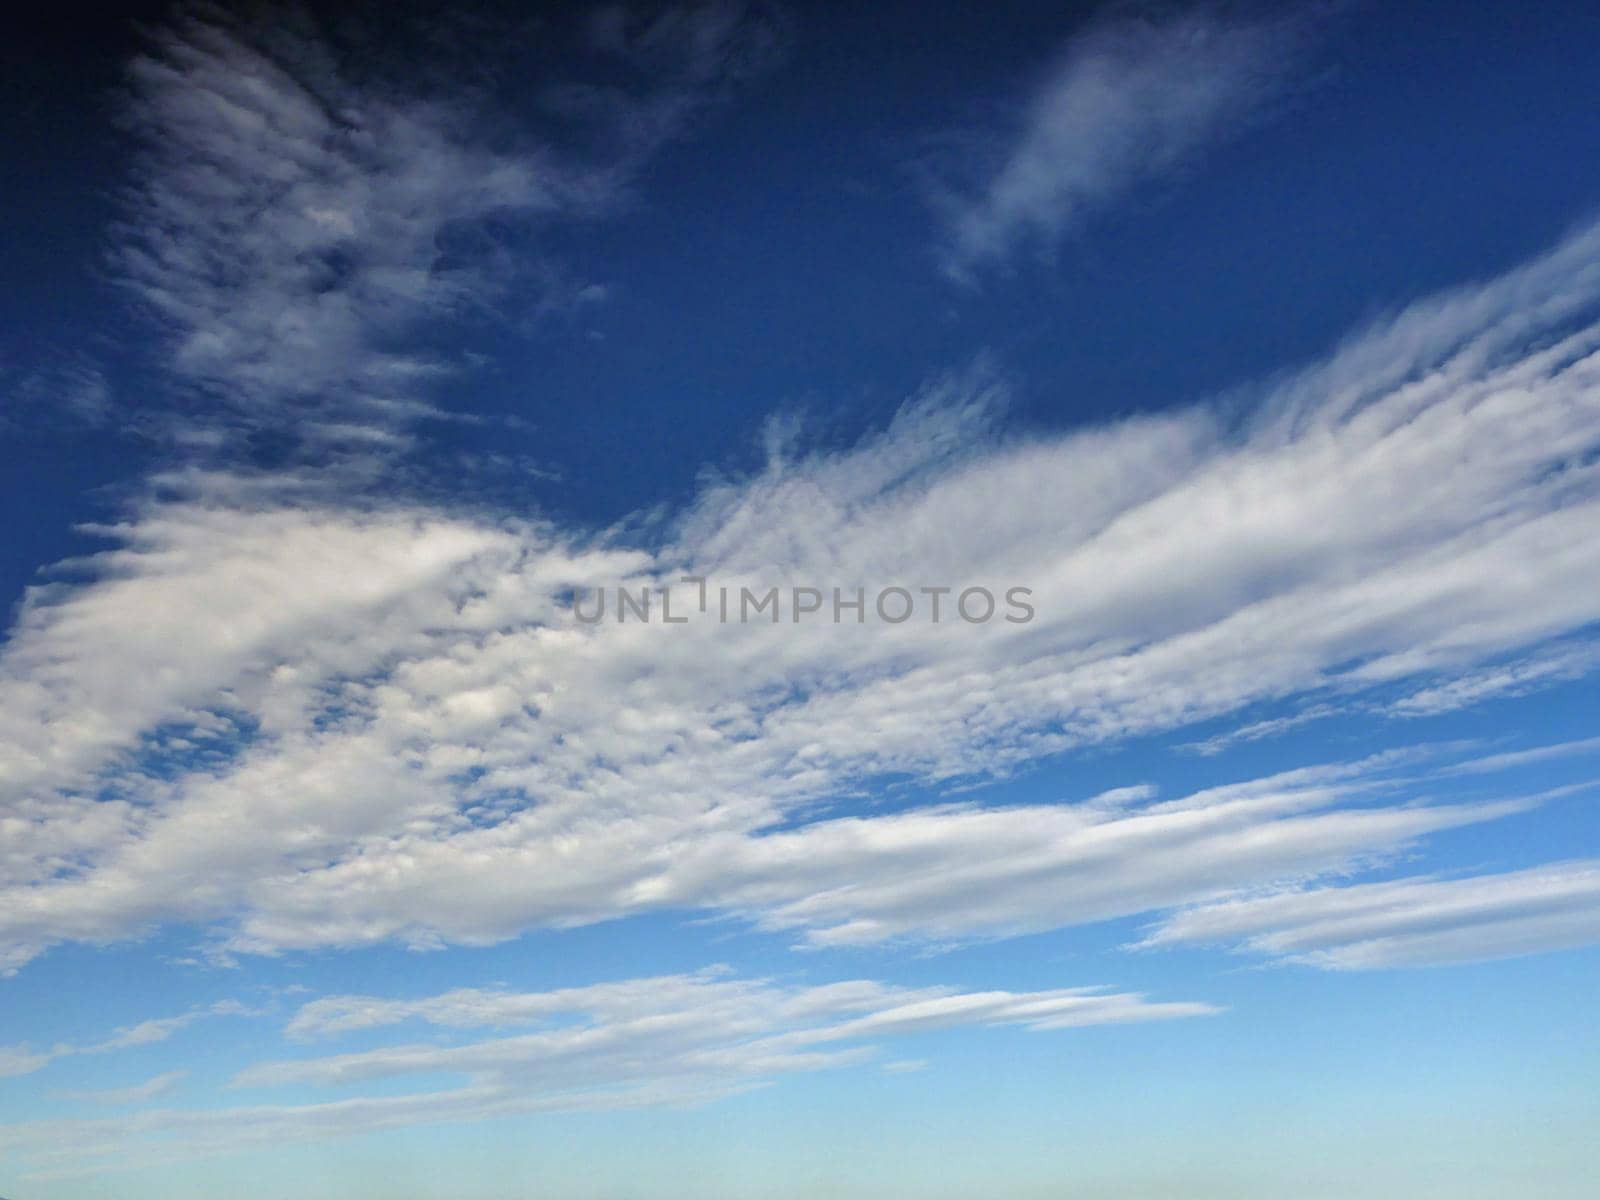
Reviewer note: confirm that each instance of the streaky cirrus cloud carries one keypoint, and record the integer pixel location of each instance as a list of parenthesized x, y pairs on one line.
[(1519, 677), (310, 720), (1416, 922), (1129, 98), (138, 1093), (22, 1060), (299, 218), (1511, 759), (675, 1039)]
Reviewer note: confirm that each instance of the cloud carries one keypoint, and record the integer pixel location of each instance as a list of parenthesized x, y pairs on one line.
[(21, 1060), (299, 223), (304, 721), (1407, 922), (642, 1042), (146, 1033), (150, 1089), (947, 872), (1511, 759), (957, 873), (1128, 99), (1257, 730), (285, 224), (1555, 665), (682, 59), (67, 394), (290, 716), (1451, 690)]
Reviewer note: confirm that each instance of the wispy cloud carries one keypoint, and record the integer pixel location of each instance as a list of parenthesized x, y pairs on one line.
[(67, 394), (297, 218), (319, 722), (683, 59), (1407, 922), (1520, 677), (1255, 731), (139, 1093), (1449, 691), (642, 1042), (1511, 759), (1130, 98), (285, 223), (957, 873), (21, 1060)]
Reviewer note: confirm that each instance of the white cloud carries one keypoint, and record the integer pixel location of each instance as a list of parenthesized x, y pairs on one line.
[(1129, 99), (1407, 922), (285, 223), (1511, 759), (298, 220), (955, 873), (1450, 690), (91, 668), (1257, 730), (906, 1066), (146, 1033), (139, 1093), (1502, 681), (313, 722), (947, 872), (22, 1060), (641, 1042), (297, 720), (19, 1060)]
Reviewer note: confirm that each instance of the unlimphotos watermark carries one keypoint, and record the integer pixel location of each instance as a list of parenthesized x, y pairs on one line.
[(742, 604)]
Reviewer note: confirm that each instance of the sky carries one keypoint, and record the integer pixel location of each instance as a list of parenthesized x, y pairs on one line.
[(752, 602)]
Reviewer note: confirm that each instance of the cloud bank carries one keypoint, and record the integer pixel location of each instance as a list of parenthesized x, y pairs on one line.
[(320, 722)]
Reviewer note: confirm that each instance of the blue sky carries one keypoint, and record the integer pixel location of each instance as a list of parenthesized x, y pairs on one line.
[(1255, 853)]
